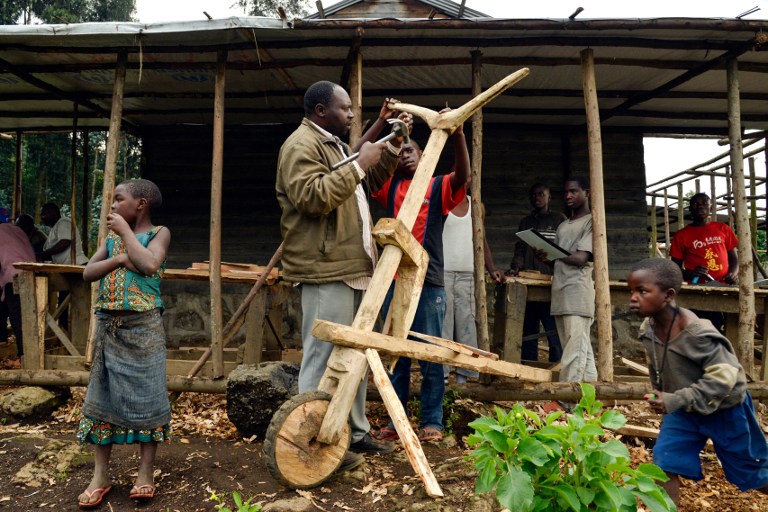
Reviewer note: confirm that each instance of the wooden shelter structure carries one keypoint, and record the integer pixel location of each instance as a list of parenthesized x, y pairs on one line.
[(192, 89)]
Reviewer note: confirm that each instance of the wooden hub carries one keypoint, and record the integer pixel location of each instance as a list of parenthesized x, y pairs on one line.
[(292, 452)]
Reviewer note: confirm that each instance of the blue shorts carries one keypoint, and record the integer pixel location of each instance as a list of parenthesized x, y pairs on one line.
[(739, 443)]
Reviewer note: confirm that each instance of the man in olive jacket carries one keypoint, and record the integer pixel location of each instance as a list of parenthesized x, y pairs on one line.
[(326, 229)]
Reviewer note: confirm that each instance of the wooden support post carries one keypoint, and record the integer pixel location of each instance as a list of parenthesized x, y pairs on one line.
[(764, 362), (745, 346), (73, 192), (599, 234), (17, 181), (254, 330), (753, 202), (356, 95), (110, 170), (680, 207), (85, 194), (697, 183), (667, 238), (516, 298), (217, 169), (33, 292), (654, 229), (478, 228), (712, 196), (729, 193)]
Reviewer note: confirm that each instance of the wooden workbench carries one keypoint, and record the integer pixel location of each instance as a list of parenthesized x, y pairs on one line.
[(39, 280), (510, 312)]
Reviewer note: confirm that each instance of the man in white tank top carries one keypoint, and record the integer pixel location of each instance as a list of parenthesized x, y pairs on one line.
[(458, 255)]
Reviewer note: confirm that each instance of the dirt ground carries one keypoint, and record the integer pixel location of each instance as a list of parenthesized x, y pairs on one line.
[(208, 459)]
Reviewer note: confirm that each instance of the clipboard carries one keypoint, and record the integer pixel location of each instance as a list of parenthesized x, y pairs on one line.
[(538, 241)]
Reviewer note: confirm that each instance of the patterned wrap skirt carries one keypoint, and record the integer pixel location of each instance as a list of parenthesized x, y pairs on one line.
[(127, 391)]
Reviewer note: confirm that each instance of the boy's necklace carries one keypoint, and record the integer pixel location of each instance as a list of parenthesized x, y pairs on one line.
[(660, 369)]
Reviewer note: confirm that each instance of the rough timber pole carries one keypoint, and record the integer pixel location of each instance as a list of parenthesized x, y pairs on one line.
[(85, 194), (745, 344), (16, 205), (73, 192), (478, 230), (110, 168), (217, 168), (599, 237), (356, 95)]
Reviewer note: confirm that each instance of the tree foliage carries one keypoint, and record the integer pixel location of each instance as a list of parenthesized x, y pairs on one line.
[(293, 8), (65, 11)]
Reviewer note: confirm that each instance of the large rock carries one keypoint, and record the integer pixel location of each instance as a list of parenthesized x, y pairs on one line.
[(255, 392), (53, 462), (31, 401)]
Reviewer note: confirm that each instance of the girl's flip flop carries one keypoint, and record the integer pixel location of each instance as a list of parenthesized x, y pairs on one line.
[(139, 492), (99, 491)]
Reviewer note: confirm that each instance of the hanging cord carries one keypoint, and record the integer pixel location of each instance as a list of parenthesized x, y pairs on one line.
[(660, 369)]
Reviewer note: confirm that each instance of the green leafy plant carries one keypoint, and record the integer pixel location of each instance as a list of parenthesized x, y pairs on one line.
[(450, 411), (537, 465), (241, 506)]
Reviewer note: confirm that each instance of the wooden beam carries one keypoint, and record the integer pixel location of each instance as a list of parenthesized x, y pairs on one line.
[(217, 171), (347, 336), (478, 228), (667, 238), (80, 378), (599, 232), (355, 80), (639, 368), (745, 339), (73, 190), (402, 425), (61, 335), (110, 171), (17, 181), (452, 345), (353, 59), (85, 194)]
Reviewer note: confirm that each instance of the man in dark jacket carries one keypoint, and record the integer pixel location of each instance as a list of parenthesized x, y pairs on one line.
[(326, 228)]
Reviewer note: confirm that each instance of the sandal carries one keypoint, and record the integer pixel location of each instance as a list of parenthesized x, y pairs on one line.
[(386, 434), (100, 491), (430, 434), (146, 491)]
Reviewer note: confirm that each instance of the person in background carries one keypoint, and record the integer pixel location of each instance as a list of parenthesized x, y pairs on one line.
[(443, 194), (57, 248), (573, 286), (706, 252), (127, 399), (14, 247), (699, 386), (36, 237), (459, 276), (545, 221)]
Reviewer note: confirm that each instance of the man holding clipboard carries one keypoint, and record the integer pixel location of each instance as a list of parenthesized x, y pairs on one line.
[(573, 287)]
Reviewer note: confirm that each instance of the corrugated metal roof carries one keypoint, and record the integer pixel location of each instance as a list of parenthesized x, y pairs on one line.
[(44, 69)]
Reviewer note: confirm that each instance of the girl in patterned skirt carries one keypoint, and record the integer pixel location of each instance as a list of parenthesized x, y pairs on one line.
[(127, 400)]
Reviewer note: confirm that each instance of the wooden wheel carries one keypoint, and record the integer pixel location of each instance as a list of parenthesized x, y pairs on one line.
[(292, 453)]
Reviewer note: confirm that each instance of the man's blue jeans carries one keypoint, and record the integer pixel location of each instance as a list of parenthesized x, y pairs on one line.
[(428, 320)]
